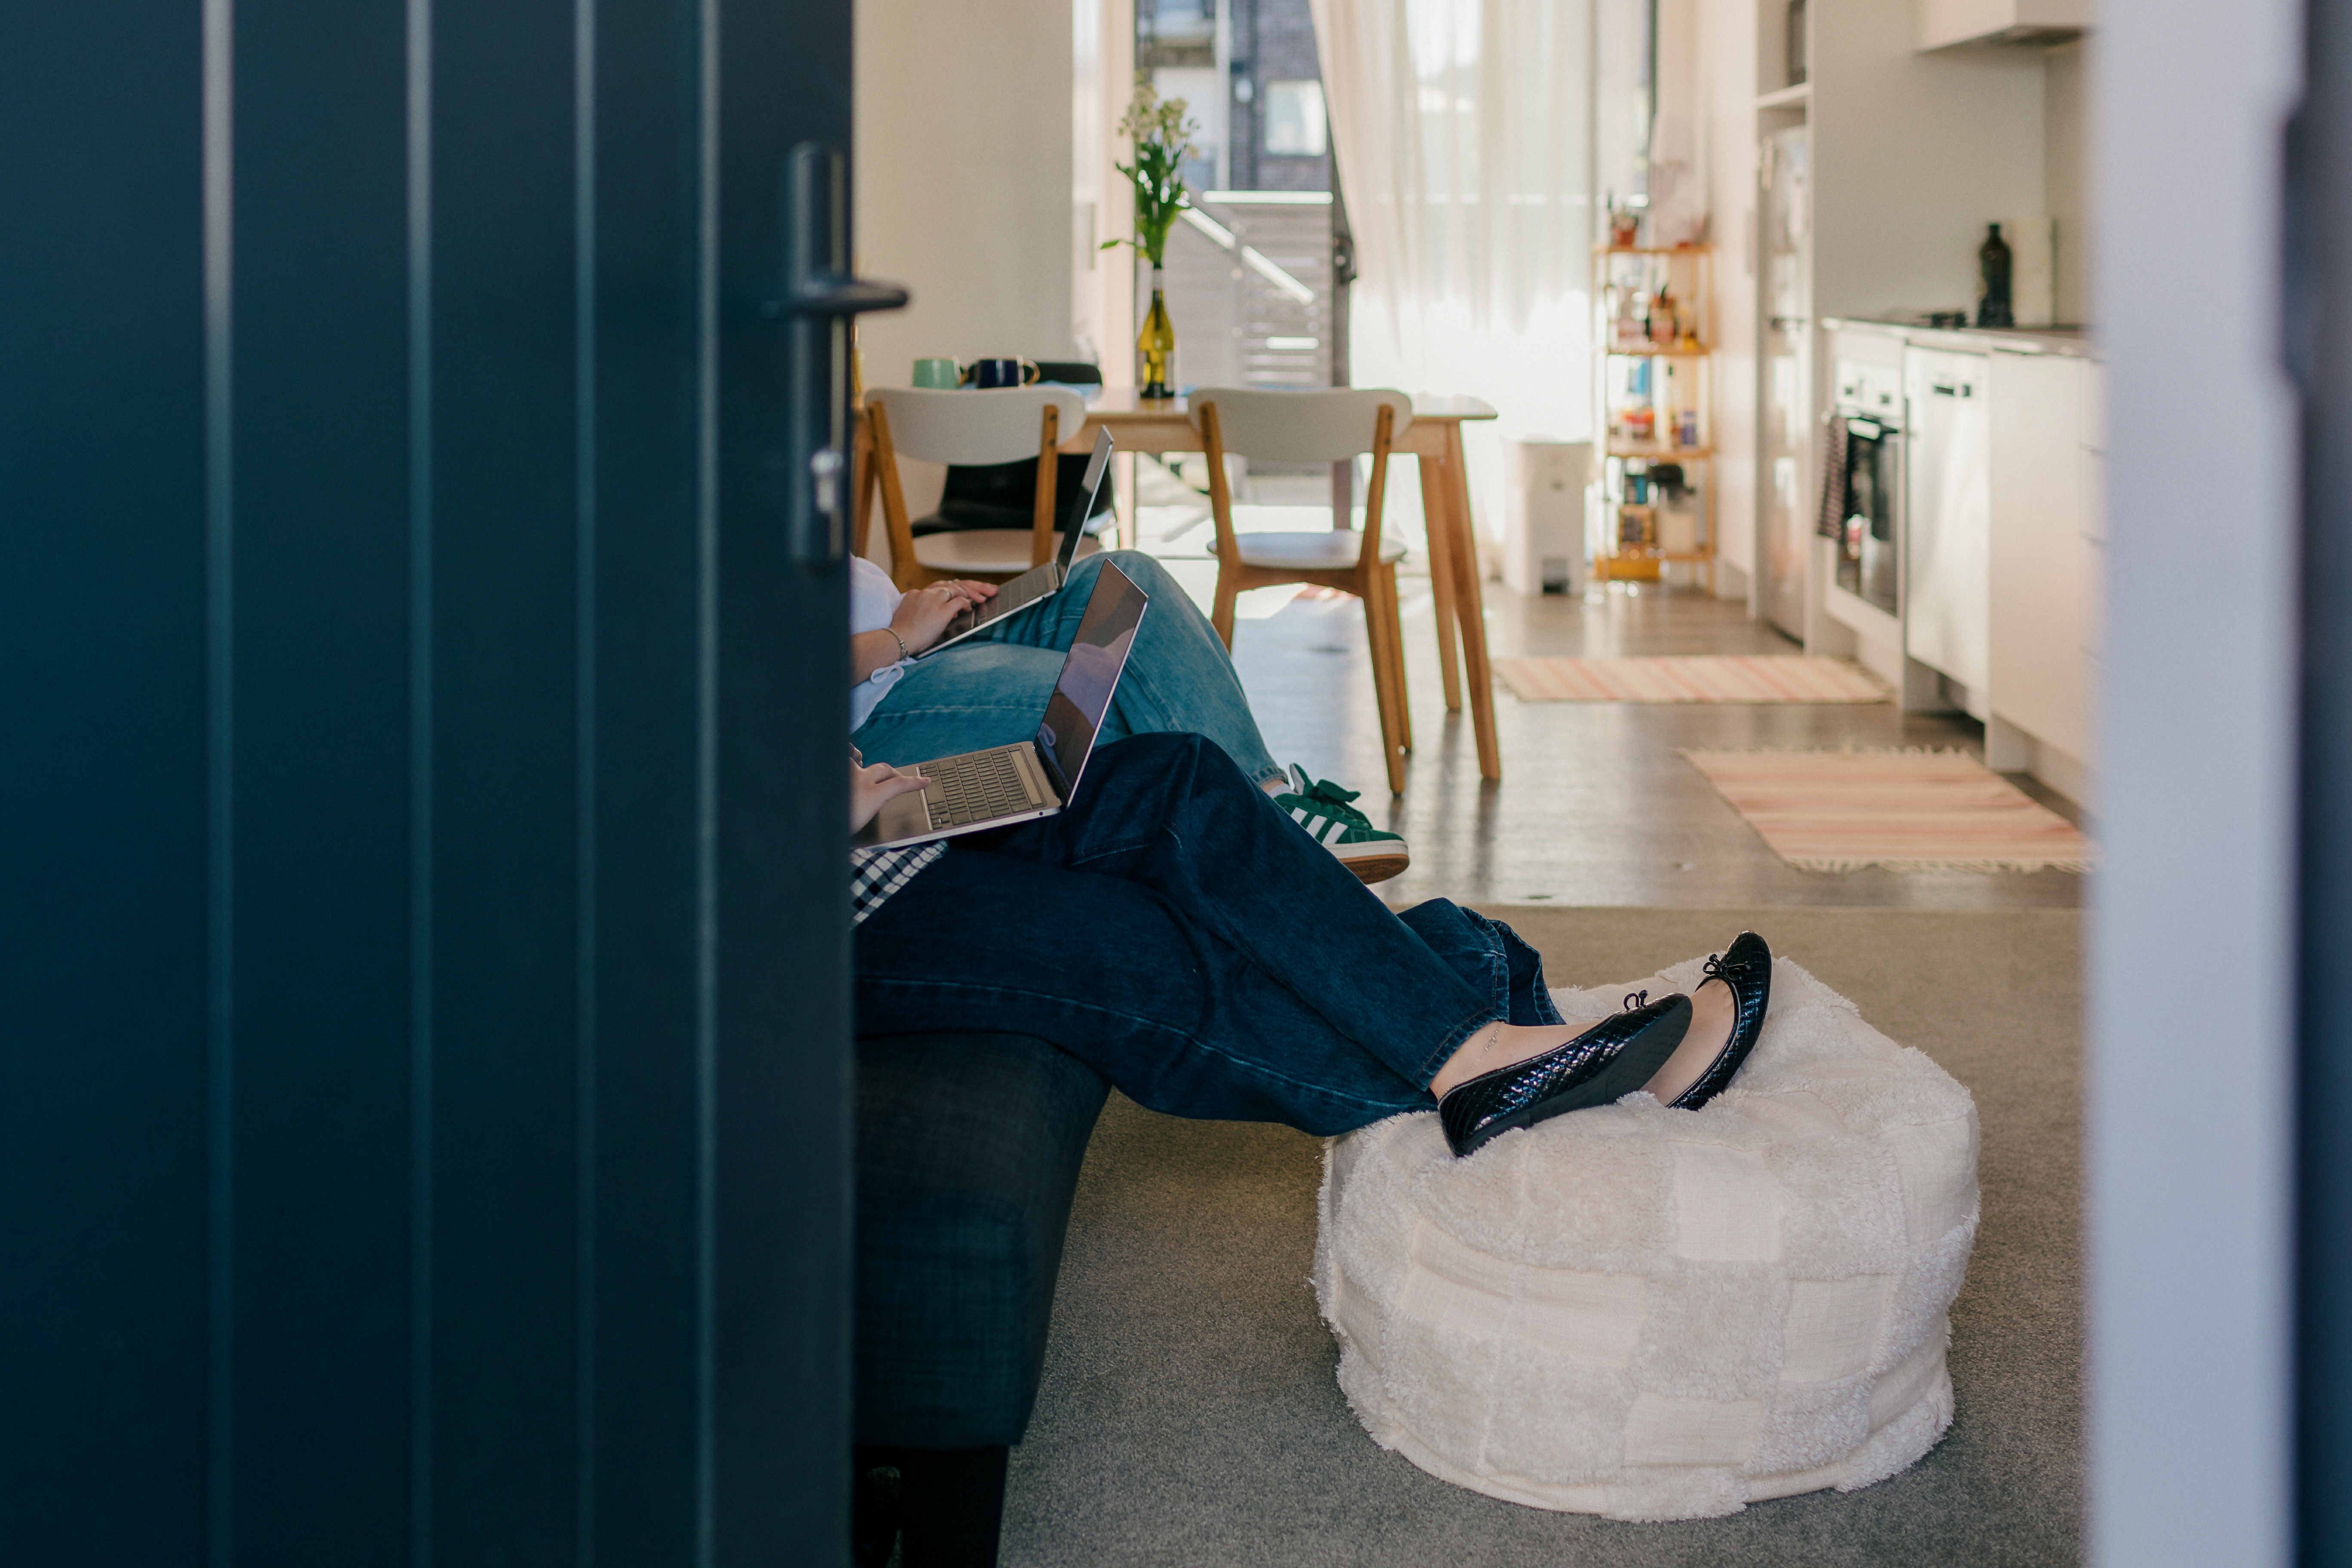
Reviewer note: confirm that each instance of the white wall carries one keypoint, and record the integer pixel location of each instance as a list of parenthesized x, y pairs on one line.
[(963, 172), (1619, 40), (1913, 156), (2067, 175), (1102, 304), (1726, 111), (2192, 981)]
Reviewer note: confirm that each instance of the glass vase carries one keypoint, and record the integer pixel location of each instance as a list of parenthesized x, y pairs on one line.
[(1156, 345)]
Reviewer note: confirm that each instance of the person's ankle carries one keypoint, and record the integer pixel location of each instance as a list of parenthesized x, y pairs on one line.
[(1470, 1058)]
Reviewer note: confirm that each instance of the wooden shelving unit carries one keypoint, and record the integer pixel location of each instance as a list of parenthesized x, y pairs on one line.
[(1653, 391)]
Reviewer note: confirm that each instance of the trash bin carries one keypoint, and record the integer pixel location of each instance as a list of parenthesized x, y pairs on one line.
[(1543, 515)]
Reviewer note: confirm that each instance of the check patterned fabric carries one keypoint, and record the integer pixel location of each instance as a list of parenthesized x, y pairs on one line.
[(876, 874)]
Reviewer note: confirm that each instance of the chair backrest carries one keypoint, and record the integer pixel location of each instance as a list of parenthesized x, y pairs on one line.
[(955, 425), (1326, 425), (1069, 372)]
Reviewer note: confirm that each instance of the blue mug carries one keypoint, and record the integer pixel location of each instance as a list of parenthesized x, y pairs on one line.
[(995, 372)]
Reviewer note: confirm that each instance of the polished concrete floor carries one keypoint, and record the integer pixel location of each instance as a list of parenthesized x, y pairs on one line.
[(1596, 806)]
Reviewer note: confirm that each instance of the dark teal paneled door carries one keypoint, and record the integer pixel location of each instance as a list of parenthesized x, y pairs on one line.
[(423, 1061)]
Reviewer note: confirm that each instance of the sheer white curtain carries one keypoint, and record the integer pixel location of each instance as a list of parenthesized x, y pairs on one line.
[(1462, 130)]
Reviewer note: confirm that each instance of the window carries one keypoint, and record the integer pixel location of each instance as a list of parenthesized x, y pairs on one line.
[(1294, 119)]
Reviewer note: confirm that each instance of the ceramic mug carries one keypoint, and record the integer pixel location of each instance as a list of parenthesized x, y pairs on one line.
[(941, 374), (994, 372)]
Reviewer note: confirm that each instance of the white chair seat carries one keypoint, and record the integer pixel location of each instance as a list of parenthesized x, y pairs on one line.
[(1321, 550), (975, 551)]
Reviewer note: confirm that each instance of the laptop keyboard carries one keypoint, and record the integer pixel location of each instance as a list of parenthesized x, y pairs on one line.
[(1027, 589), (976, 787)]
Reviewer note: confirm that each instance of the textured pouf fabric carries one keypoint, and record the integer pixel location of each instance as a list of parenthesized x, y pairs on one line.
[(1665, 1314)]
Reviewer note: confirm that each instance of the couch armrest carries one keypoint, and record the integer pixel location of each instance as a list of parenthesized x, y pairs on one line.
[(967, 1153)]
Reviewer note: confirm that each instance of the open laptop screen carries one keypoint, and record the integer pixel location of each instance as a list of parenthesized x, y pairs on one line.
[(1091, 487), (1082, 696)]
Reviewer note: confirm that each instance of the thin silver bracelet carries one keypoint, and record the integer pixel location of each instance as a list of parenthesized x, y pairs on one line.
[(895, 638)]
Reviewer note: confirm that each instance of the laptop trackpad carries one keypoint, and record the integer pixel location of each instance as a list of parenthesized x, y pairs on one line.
[(904, 818)]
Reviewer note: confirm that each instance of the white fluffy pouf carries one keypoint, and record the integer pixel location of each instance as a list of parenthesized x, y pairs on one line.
[(1665, 1314)]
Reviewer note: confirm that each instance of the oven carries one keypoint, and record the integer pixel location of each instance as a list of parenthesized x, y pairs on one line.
[(1867, 524)]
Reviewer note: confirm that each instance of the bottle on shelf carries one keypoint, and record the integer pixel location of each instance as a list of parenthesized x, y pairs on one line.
[(1627, 327), (1993, 278)]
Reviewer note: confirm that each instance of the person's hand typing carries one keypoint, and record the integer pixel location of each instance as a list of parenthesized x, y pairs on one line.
[(871, 788), (923, 614)]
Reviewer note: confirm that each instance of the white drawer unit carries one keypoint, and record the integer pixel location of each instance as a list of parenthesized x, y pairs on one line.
[(1947, 520), (2043, 568)]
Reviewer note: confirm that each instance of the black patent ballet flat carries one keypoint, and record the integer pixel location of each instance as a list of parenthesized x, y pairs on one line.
[(1607, 1062), (1747, 967)]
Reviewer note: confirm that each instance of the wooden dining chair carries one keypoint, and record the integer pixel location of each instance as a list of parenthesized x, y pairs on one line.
[(1331, 427), (999, 426)]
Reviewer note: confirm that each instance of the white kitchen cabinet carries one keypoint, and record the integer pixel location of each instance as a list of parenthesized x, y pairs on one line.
[(2093, 519), (2040, 561), (1947, 611), (1944, 22)]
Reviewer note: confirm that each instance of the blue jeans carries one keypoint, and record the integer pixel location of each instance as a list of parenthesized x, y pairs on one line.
[(991, 689), (1177, 931)]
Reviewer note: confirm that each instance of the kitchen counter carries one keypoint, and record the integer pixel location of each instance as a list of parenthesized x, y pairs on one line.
[(2074, 342)]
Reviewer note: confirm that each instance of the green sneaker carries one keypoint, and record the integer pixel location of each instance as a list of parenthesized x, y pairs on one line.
[(1323, 809)]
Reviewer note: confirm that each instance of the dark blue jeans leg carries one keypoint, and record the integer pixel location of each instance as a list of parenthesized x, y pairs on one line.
[(1174, 814), (1183, 936), (1112, 972), (1489, 956)]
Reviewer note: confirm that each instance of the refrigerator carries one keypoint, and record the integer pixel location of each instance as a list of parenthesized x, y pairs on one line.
[(1785, 399)]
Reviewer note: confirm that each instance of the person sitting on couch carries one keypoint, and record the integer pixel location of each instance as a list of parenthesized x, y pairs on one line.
[(988, 690), (1152, 929)]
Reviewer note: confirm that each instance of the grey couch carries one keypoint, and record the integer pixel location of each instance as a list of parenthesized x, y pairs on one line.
[(967, 1153)]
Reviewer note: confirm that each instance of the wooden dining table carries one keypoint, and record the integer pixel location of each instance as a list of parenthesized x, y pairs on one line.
[(1434, 437)]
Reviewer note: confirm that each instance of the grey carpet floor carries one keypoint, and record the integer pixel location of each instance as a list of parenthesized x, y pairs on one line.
[(1190, 1413)]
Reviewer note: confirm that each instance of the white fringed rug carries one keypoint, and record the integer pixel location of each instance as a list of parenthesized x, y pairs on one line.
[(1692, 678), (1659, 1314)]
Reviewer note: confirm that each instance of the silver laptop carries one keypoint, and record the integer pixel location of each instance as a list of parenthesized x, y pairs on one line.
[(1038, 584), (1006, 784)]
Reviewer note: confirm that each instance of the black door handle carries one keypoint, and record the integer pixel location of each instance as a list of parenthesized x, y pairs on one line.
[(830, 294), (819, 298)]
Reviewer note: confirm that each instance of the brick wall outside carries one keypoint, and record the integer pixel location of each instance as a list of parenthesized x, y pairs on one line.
[(1275, 40)]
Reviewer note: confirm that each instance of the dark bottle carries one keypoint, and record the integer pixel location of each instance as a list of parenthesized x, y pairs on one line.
[(1799, 54), (1992, 286)]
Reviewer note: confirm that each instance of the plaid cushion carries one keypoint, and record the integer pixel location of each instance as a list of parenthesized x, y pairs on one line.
[(876, 874)]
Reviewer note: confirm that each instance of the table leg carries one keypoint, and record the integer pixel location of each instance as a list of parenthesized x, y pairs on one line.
[(1470, 604), (862, 479), (1441, 576)]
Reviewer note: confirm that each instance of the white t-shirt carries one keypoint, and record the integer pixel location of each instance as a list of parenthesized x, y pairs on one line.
[(873, 600)]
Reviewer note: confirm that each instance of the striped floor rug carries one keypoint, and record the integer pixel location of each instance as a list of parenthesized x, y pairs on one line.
[(1911, 810), (1744, 677)]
